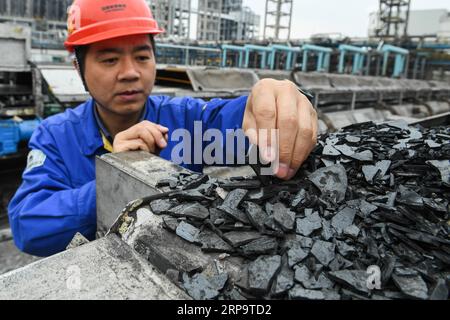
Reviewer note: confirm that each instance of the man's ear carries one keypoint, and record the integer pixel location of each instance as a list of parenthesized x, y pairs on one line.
[(76, 66)]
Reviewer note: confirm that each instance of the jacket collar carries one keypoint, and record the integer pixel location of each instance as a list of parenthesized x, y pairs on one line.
[(91, 131)]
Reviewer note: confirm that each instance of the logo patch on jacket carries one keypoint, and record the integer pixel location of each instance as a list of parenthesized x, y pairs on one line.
[(36, 158)]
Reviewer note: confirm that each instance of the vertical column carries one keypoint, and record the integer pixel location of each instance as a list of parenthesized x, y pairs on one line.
[(8, 8), (278, 18), (305, 61)]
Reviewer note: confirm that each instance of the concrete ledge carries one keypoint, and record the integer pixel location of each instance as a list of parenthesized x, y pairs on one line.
[(107, 269)]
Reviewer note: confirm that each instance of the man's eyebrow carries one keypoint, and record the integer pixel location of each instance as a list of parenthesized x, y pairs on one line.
[(144, 47), (108, 50)]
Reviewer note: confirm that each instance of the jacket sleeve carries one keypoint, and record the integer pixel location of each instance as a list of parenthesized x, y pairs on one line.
[(46, 211), (218, 116)]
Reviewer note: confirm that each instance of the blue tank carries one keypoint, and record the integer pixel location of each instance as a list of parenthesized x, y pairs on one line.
[(12, 132)]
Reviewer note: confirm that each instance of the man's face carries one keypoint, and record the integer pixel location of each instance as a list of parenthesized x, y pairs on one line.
[(120, 73)]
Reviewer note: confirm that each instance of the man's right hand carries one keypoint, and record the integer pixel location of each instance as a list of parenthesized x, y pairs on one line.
[(145, 136)]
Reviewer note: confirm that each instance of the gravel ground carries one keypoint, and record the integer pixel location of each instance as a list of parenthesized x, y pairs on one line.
[(10, 257)]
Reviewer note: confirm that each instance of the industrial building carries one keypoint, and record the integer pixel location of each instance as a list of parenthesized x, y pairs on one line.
[(216, 20), (423, 24), (49, 11), (226, 20), (278, 19), (238, 22), (46, 18), (209, 20), (174, 16)]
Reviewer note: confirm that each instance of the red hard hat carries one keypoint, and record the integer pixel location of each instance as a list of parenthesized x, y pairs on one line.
[(91, 21)]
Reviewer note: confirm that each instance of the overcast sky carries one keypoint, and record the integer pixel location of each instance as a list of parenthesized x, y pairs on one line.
[(349, 17)]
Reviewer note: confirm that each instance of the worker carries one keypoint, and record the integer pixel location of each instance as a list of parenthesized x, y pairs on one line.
[(114, 53)]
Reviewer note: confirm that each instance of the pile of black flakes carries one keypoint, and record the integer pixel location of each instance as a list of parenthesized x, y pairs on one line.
[(367, 217)]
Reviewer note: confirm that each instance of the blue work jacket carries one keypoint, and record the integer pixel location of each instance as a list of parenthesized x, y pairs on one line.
[(57, 198)]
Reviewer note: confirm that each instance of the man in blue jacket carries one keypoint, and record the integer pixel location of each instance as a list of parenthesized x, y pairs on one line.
[(114, 49)]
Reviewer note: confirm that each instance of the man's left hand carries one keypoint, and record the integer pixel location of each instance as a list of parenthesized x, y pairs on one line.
[(279, 105)]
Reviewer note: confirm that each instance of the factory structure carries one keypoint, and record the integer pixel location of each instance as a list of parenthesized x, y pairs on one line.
[(398, 77), (213, 20), (419, 24)]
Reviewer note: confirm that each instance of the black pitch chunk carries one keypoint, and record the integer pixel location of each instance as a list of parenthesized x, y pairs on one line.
[(367, 208), (265, 193), (172, 183), (340, 263), (406, 272), (304, 242), (192, 195), (188, 232), (364, 156), (442, 166), (409, 197), (324, 252), (190, 210), (388, 268), (378, 170), (354, 279), (235, 295), (211, 242), (219, 281), (284, 217), (399, 124), (322, 282), (231, 203), (235, 214), (353, 139), (284, 281), (328, 163), (245, 184), (234, 198), (369, 195), (300, 199), (344, 248), (299, 293), (262, 246), (343, 219), (272, 225), (345, 150), (438, 206), (199, 287), (171, 223), (432, 144), (331, 295), (237, 238), (331, 181), (296, 254), (308, 225), (329, 150), (352, 231), (440, 291), (161, 206), (255, 214), (262, 272), (196, 182), (302, 274), (216, 214), (412, 286), (327, 231)]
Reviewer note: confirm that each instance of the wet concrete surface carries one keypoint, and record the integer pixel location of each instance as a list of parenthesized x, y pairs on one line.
[(11, 258)]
